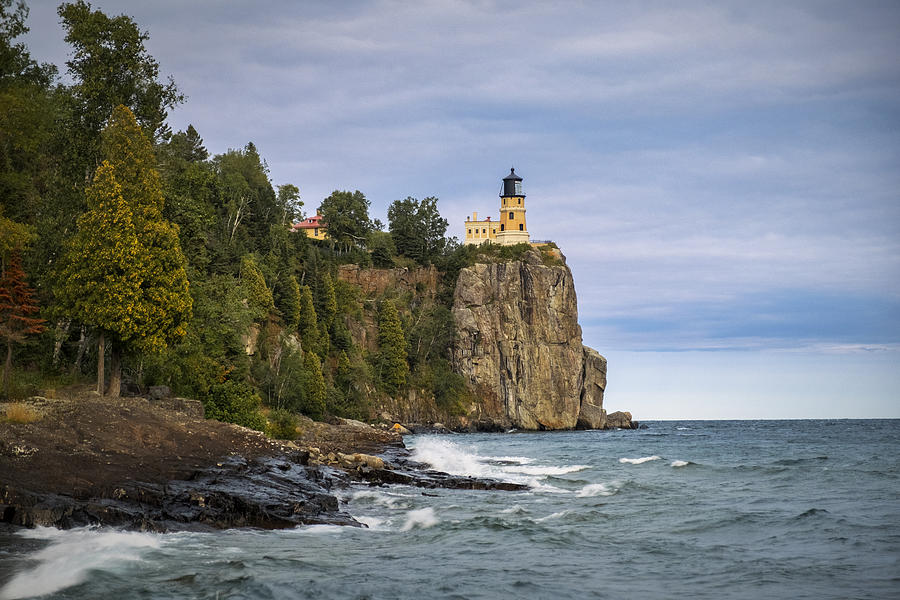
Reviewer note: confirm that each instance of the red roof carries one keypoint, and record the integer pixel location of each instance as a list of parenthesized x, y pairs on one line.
[(310, 223)]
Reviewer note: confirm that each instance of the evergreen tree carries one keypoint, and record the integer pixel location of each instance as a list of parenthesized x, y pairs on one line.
[(309, 322), (392, 365), (328, 300), (125, 217), (291, 305), (16, 308), (259, 296), (101, 276), (165, 300), (314, 385)]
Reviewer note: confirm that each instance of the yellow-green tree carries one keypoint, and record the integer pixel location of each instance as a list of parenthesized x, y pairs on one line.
[(259, 296), (100, 281), (125, 213)]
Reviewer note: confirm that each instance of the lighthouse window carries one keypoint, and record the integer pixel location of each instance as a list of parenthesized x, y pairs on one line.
[(520, 201), (502, 227), (521, 226), (494, 231), (470, 232), (518, 188), (512, 215), (484, 231)]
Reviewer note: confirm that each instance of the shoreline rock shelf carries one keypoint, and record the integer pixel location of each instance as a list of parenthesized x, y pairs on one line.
[(139, 464)]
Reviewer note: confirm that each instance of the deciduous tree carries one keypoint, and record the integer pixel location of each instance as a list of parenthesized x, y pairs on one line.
[(346, 217), (17, 310)]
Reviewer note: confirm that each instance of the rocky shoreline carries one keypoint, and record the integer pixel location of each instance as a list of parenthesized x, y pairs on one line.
[(157, 465)]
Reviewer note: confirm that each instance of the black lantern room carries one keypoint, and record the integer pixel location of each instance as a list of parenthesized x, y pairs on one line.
[(512, 185)]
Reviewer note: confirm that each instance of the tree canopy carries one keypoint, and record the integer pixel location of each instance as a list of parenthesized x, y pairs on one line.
[(346, 216), (417, 228)]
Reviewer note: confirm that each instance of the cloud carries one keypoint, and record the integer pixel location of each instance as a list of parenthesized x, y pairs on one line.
[(706, 168)]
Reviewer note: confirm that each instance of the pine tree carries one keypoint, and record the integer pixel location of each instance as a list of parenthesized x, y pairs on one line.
[(392, 365), (16, 308)]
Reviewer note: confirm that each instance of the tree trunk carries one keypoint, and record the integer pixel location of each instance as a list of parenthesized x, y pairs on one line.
[(62, 334), (82, 347), (6, 369), (101, 355), (115, 370)]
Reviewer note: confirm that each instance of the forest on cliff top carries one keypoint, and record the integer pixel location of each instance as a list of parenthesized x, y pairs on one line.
[(131, 254)]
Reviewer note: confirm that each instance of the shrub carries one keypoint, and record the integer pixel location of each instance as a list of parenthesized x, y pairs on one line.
[(234, 402), (283, 425)]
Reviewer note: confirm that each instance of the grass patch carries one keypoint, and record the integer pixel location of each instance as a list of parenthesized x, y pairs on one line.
[(17, 412)]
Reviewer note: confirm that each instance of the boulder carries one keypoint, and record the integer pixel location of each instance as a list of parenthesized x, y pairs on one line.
[(619, 419)]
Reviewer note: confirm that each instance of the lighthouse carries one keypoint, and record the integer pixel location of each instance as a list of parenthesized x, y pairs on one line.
[(512, 212)]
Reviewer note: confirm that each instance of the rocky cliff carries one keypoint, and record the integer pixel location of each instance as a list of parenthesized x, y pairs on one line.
[(518, 344)]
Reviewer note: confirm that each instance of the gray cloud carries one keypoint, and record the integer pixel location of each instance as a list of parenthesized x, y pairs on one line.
[(684, 156)]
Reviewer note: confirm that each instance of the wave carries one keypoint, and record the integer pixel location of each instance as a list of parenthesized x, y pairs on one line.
[(553, 516), (681, 463), (448, 456), (638, 461), (598, 489), (71, 555), (536, 470), (421, 518), (371, 522)]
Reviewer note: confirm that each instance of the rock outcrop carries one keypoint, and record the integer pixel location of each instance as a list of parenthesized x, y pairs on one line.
[(518, 345)]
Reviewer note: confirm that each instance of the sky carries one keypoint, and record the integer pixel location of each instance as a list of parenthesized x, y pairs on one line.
[(723, 178)]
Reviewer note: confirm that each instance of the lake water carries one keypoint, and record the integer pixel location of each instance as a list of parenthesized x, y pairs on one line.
[(693, 509)]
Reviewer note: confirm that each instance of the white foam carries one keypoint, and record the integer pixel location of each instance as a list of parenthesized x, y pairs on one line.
[(597, 489), (72, 555), (680, 463), (550, 517), (448, 456), (518, 460), (379, 498), (422, 518), (637, 461), (536, 470), (682, 428), (513, 510), (371, 522)]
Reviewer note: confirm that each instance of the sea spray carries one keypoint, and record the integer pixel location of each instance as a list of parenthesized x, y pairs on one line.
[(72, 555), (422, 518), (639, 461)]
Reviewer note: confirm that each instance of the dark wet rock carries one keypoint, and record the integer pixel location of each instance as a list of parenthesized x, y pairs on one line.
[(155, 464), (265, 493)]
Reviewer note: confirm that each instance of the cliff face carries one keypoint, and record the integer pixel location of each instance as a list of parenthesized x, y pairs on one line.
[(518, 345)]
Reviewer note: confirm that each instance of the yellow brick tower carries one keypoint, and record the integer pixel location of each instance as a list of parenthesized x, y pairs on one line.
[(512, 212)]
